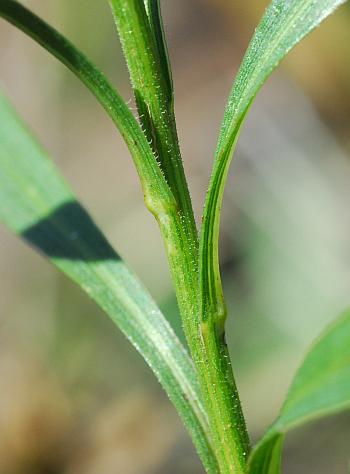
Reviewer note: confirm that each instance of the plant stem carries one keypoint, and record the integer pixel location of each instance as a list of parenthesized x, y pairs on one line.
[(209, 352), (146, 55), (150, 79)]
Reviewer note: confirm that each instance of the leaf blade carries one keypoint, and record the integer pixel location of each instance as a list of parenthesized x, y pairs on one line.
[(331, 354), (320, 387), (283, 25), (36, 203), (267, 459)]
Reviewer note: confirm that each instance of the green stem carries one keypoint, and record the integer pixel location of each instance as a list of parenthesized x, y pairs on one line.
[(151, 79), (209, 352), (145, 51), (228, 414)]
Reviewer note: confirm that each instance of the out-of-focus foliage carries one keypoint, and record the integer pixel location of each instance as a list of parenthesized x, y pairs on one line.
[(320, 387)]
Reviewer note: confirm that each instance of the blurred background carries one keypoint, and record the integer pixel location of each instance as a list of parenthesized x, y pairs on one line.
[(75, 397)]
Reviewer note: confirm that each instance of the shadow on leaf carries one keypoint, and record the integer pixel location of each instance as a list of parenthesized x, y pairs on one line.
[(70, 233)]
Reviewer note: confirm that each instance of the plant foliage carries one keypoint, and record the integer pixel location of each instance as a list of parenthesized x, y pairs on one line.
[(37, 204), (320, 387)]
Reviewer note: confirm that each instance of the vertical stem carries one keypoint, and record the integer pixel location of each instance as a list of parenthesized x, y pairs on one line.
[(152, 85), (209, 352), (145, 52), (223, 404)]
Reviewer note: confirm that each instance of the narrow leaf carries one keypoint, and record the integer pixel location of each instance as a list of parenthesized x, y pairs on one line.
[(283, 25), (158, 196), (36, 204), (320, 387), (179, 234)]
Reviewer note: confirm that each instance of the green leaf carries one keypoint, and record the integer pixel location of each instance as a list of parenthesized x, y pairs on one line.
[(158, 196), (36, 204), (179, 241), (179, 233), (283, 25), (320, 387)]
